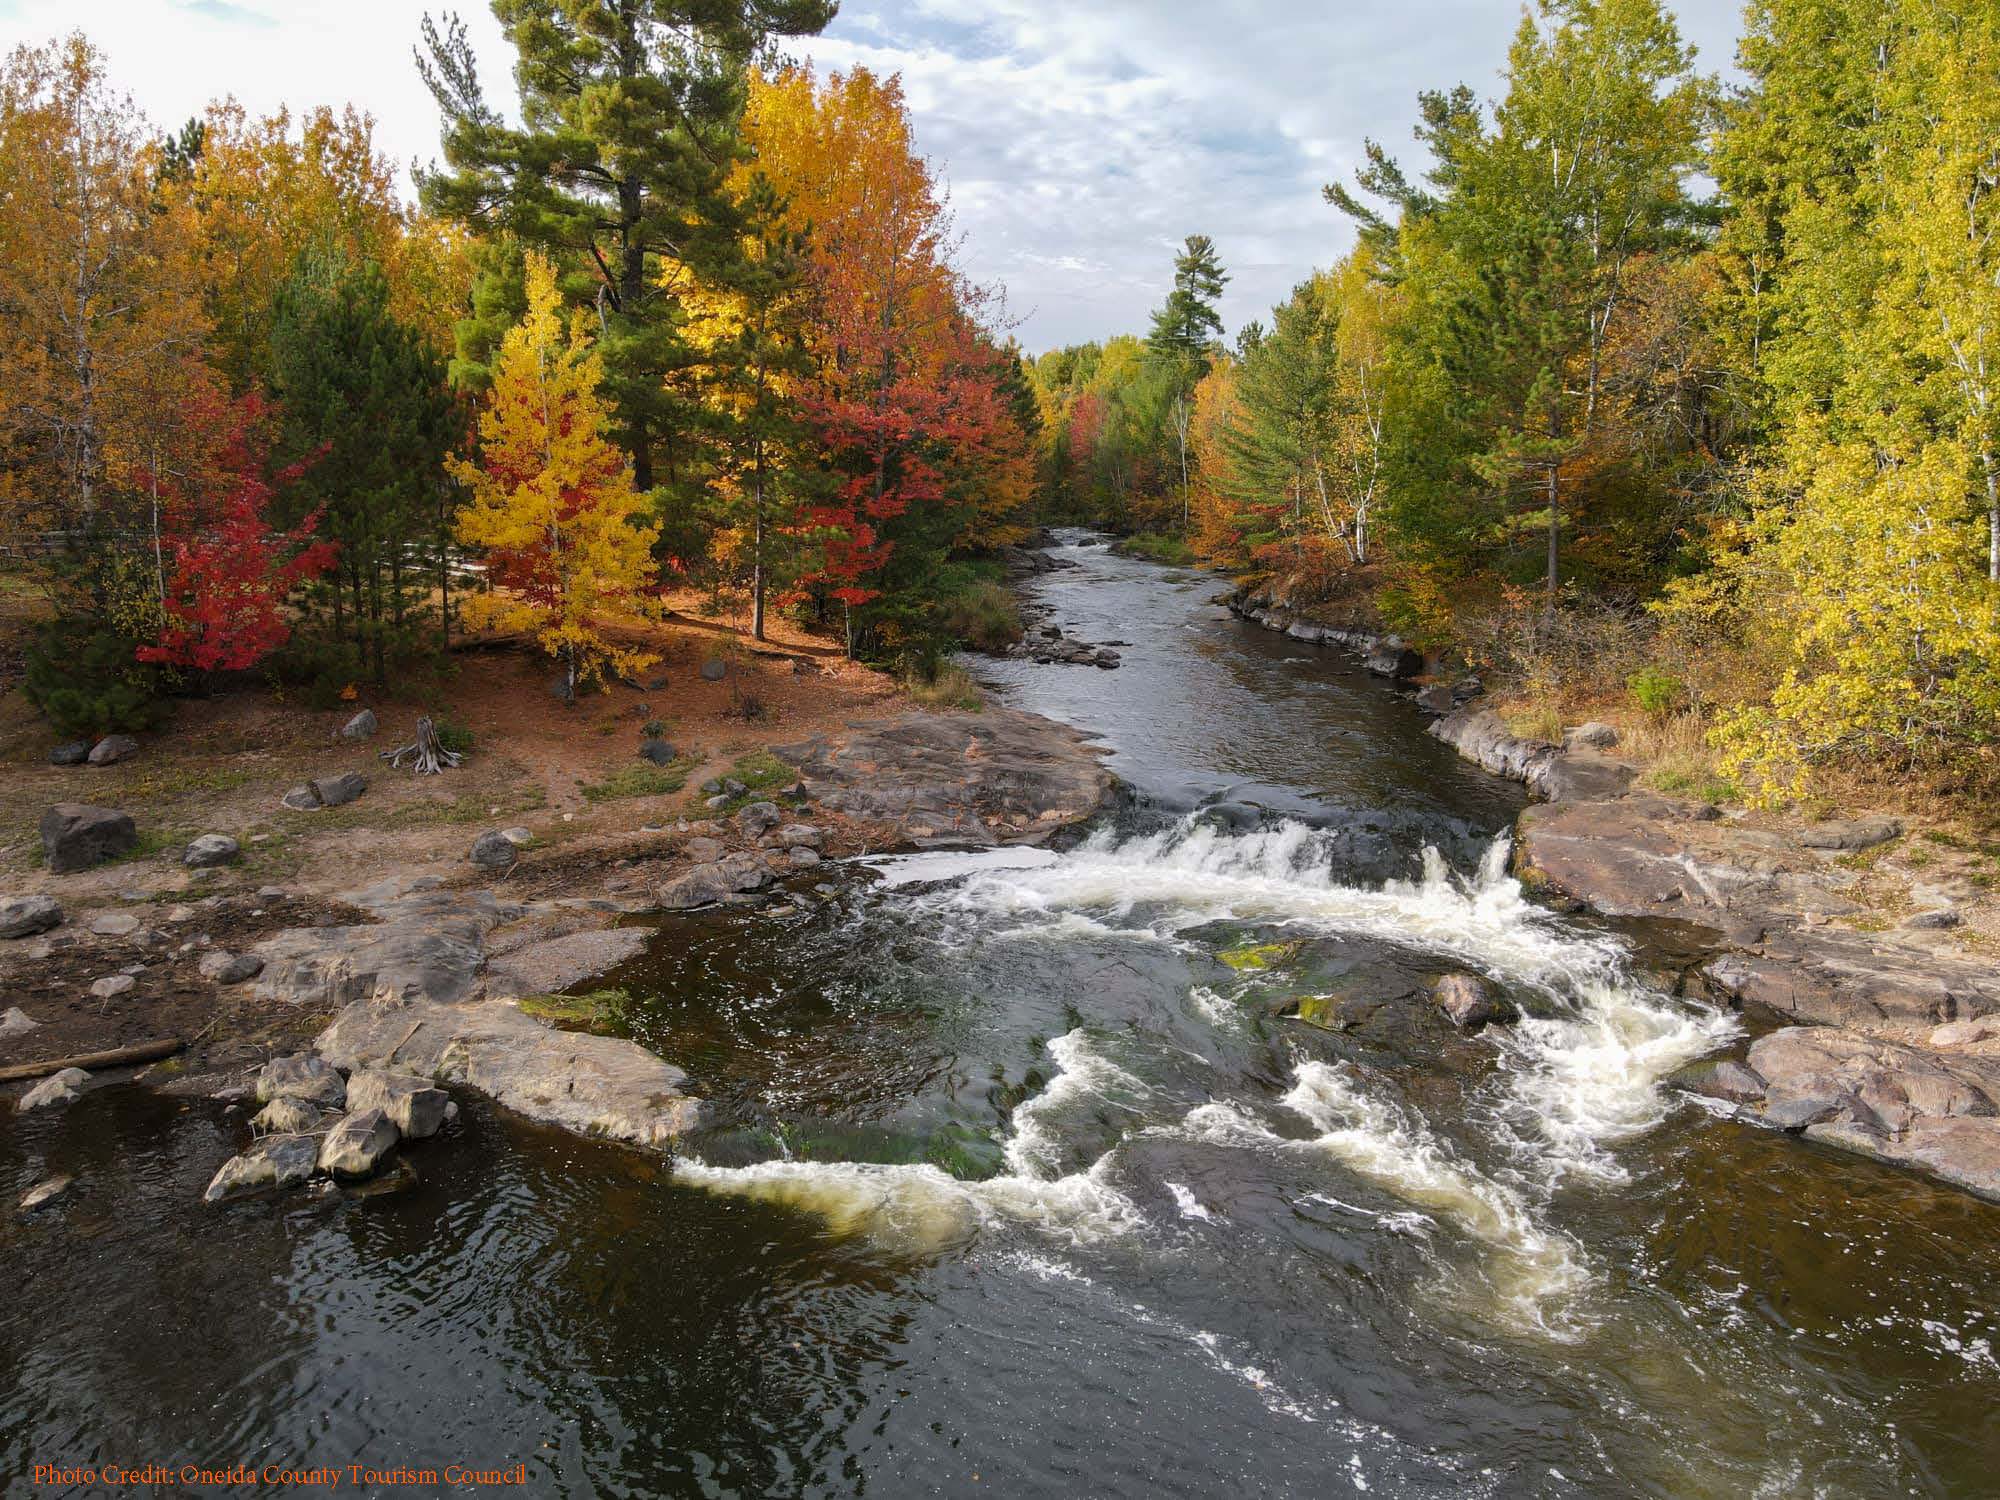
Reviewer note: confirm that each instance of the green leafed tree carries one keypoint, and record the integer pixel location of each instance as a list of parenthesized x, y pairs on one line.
[(1186, 329)]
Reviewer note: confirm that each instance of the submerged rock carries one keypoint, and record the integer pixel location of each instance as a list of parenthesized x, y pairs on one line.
[(357, 1145), (46, 1192), (276, 1161)]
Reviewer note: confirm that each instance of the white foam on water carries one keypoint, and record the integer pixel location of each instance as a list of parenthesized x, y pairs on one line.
[(1190, 1206), (933, 866), (922, 1208)]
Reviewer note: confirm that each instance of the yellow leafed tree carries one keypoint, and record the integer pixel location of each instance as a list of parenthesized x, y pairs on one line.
[(552, 504)]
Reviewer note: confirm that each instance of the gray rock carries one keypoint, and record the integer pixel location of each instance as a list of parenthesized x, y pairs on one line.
[(15, 1021), (704, 885), (759, 818), (276, 1161), (46, 1192), (560, 963), (1389, 657), (76, 836), (301, 1076), (1582, 776), (114, 924), (416, 953), (1967, 1033), (211, 849), (803, 857), (1105, 657), (1436, 699), (604, 1087), (1481, 736), (415, 1106), (24, 916), (55, 1090), (357, 1145), (703, 850), (1591, 736), (111, 985), (229, 968), (361, 726), (1719, 1078), (1851, 834), (493, 850), (714, 669), (1468, 1002), (287, 1116), (326, 791), (75, 753), (712, 787), (731, 787), (1941, 920), (112, 749), (658, 752), (797, 835), (718, 803)]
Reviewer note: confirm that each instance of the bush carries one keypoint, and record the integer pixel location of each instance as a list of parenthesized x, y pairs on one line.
[(1153, 547), (83, 676), (948, 686), (454, 737), (323, 669), (1657, 693)]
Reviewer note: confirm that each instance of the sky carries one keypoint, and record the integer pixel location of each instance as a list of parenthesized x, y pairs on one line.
[(1082, 139)]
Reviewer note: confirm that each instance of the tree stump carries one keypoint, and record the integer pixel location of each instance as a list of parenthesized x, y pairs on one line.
[(427, 756)]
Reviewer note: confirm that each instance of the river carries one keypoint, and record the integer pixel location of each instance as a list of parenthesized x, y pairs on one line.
[(1023, 1182)]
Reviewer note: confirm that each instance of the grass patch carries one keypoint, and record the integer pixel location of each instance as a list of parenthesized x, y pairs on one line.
[(603, 1012), (1700, 783), (1154, 547), (641, 779), (983, 616), (180, 781), (951, 686)]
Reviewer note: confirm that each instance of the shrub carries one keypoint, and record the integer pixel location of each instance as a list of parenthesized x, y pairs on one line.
[(948, 686), (82, 674), (1657, 693), (983, 616), (654, 729), (454, 737)]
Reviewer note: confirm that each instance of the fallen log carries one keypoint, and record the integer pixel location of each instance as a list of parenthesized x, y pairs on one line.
[(91, 1062)]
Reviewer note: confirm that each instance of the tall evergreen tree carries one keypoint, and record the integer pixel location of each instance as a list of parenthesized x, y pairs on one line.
[(629, 129), (1185, 329)]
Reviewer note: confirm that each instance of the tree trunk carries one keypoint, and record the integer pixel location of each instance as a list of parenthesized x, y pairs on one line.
[(1555, 534), (757, 545)]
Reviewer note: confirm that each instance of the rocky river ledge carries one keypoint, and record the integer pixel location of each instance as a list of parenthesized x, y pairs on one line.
[(1883, 1043), (423, 975)]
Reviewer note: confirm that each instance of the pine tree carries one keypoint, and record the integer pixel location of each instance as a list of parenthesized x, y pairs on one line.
[(1185, 329)]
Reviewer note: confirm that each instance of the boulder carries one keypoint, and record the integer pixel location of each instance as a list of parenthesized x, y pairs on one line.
[(211, 849), (803, 857), (1105, 657), (1591, 736), (1851, 834), (276, 1161), (14, 1021), (325, 967), (1941, 920), (1469, 1003), (360, 727), (1582, 776), (301, 1076), (1967, 1033), (112, 985), (415, 1106), (1481, 736), (55, 1090), (759, 818), (797, 835), (1436, 699), (357, 1145), (76, 836), (46, 1192), (658, 752), (714, 669), (493, 850), (1721, 1078), (326, 791), (606, 1087), (75, 753), (112, 749), (229, 968), (287, 1116), (114, 924), (24, 916), (704, 850), (1389, 657)]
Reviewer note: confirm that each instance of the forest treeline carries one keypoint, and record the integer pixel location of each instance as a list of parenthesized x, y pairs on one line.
[(1643, 387), (682, 316)]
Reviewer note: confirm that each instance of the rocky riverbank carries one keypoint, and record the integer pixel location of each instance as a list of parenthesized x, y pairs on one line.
[(1880, 1040)]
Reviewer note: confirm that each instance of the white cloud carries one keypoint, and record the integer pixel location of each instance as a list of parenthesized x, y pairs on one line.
[(1082, 140)]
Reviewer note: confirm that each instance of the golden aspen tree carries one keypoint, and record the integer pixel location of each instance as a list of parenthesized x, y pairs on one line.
[(552, 503)]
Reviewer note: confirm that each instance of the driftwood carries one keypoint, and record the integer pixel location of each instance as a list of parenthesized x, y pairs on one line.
[(91, 1062), (426, 755)]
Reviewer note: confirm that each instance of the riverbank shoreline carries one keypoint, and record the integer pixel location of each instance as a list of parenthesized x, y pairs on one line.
[(1884, 1044)]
